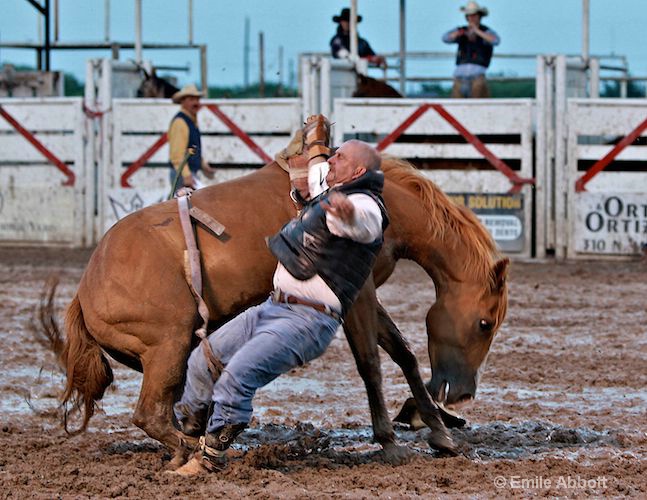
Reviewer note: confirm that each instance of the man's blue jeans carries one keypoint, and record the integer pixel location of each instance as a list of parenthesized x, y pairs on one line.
[(255, 347)]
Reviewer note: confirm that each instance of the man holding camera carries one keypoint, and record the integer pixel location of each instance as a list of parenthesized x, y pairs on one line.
[(475, 46)]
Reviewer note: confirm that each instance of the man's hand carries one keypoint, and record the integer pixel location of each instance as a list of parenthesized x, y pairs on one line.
[(189, 181), (340, 206), (378, 61), (208, 171)]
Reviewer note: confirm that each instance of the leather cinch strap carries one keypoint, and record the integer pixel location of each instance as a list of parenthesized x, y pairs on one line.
[(193, 275)]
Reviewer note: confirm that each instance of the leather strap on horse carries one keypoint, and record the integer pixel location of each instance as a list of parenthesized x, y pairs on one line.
[(193, 275)]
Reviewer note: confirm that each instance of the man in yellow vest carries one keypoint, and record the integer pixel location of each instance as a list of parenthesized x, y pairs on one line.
[(183, 133)]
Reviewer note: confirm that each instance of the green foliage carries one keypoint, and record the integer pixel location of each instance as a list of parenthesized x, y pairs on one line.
[(507, 89), (612, 89), (432, 90), (240, 92), (512, 89), (72, 86)]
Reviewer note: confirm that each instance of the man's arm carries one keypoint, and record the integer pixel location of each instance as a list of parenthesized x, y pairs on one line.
[(357, 217), (488, 35), (452, 35)]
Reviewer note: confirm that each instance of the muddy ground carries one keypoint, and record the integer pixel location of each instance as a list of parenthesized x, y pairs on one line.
[(561, 410)]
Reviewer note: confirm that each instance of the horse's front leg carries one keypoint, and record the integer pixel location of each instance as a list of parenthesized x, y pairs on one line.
[(361, 330), (392, 341)]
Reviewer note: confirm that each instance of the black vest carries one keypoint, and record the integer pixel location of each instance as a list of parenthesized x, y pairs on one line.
[(306, 247), (476, 52), (195, 161), (343, 39)]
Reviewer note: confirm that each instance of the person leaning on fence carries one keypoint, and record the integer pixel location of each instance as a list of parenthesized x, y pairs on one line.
[(475, 46), (340, 43), (324, 257), (183, 133)]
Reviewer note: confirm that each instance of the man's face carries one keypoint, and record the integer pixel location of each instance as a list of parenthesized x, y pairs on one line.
[(192, 104), (345, 26), (343, 165), (473, 19)]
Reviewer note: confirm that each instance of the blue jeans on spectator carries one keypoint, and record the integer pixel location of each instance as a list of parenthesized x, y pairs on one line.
[(255, 347)]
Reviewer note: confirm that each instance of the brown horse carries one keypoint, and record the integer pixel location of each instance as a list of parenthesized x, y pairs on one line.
[(133, 301), (154, 86), (372, 87)]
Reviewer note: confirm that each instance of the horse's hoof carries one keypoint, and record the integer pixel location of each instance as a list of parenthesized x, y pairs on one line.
[(397, 455), (440, 440)]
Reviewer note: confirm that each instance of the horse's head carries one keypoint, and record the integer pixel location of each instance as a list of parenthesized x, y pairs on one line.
[(154, 86), (461, 257), (461, 326)]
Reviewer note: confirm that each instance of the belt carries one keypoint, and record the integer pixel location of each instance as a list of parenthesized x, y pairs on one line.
[(279, 296)]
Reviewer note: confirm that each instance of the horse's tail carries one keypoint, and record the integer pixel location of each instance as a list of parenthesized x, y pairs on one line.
[(87, 369)]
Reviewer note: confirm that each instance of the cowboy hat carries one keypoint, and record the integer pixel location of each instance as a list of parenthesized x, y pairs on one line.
[(345, 16), (474, 8), (187, 91)]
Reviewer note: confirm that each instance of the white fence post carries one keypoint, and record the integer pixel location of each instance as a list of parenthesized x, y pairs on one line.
[(560, 173)]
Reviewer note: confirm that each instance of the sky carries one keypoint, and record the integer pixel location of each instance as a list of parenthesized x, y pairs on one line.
[(525, 27)]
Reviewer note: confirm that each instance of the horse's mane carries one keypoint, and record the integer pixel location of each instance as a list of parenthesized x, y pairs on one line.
[(446, 221)]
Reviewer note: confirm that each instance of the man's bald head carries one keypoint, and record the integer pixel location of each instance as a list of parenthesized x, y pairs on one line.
[(352, 160), (365, 155)]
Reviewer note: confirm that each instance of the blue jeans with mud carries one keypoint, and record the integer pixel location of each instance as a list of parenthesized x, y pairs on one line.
[(255, 347)]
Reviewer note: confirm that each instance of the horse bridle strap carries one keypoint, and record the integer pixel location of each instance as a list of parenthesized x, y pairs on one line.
[(193, 275)]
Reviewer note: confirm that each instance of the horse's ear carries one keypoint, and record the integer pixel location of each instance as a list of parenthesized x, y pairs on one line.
[(499, 274)]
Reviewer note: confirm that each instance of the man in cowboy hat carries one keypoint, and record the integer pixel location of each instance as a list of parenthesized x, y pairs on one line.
[(183, 133), (340, 43), (475, 44)]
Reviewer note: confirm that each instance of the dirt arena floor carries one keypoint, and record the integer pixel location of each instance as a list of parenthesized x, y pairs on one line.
[(561, 410)]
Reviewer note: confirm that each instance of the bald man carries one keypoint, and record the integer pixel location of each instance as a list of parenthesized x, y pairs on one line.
[(324, 258)]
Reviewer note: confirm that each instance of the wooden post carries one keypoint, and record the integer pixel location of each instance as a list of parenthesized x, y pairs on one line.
[(261, 64)]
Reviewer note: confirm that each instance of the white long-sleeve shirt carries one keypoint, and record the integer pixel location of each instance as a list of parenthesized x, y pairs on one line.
[(366, 227)]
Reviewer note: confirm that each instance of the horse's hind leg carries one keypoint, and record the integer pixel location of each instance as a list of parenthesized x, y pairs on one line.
[(392, 341), (163, 368), (361, 330)]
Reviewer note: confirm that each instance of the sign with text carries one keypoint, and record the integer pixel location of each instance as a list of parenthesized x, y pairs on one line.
[(501, 213), (611, 223)]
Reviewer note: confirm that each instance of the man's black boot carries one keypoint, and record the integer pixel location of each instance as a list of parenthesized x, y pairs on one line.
[(211, 455)]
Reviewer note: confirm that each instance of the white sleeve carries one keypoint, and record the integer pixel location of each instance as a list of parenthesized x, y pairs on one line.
[(317, 178), (367, 226)]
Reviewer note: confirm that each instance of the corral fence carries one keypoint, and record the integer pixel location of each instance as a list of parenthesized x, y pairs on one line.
[(46, 172), (237, 137), (559, 174), (480, 151)]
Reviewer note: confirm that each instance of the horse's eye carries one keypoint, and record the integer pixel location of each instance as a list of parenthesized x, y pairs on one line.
[(485, 326)]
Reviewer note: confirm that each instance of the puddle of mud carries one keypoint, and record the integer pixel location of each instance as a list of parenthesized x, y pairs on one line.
[(554, 397)]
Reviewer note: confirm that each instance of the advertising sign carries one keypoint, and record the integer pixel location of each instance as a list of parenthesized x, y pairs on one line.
[(501, 213), (611, 223)]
